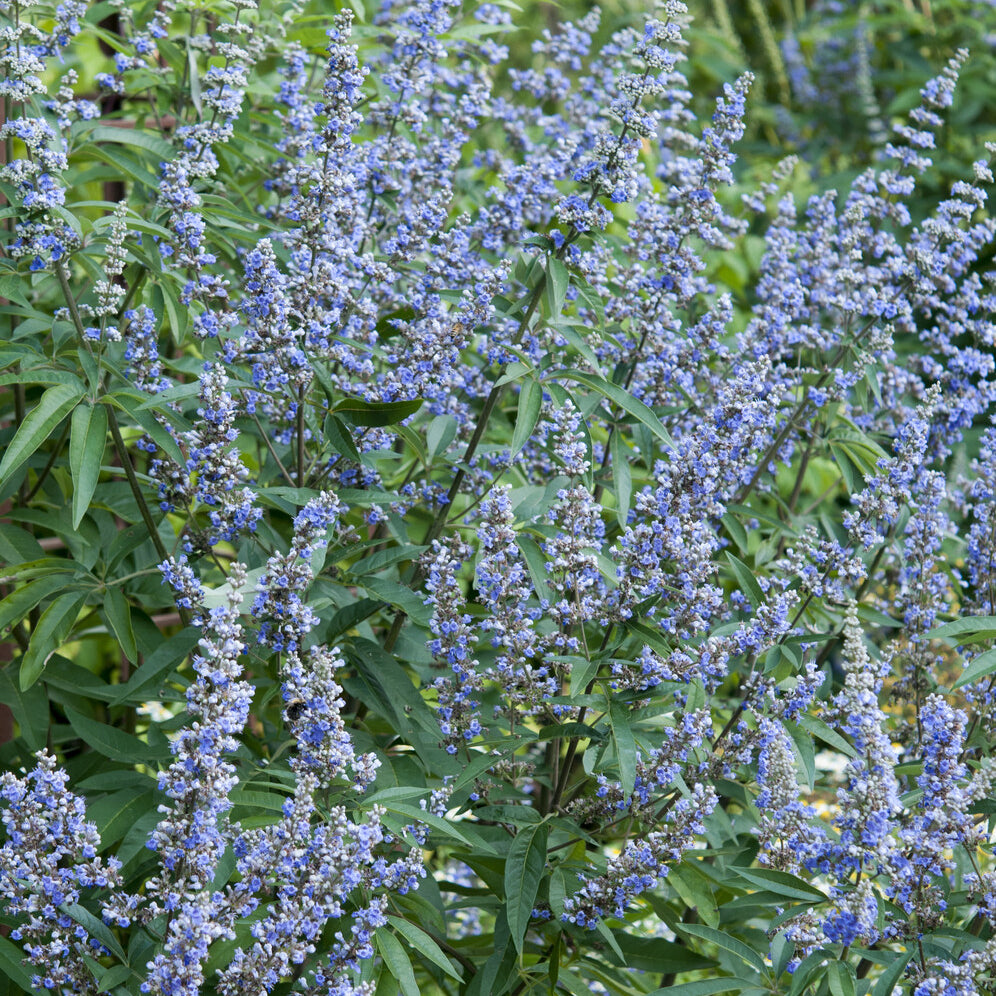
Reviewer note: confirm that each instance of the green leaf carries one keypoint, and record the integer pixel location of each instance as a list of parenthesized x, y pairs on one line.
[(523, 874), (820, 730), (163, 661), (841, 978), (625, 744), (695, 891), (10, 965), (781, 882), (527, 414), (558, 279), (22, 600), (52, 408), (811, 965), (340, 438), (652, 954), (95, 927), (890, 976), (30, 708), (374, 414), (465, 834), (115, 814), (53, 628), (969, 629), (536, 565), (269, 801), (441, 432), (722, 940), (17, 545), (118, 614), (397, 962), (622, 477), (194, 79), (736, 531), (179, 392), (579, 342), (481, 763), (704, 987), (629, 404), (401, 596), (498, 973), (133, 137), (132, 405), (86, 450), (746, 580), (984, 664), (113, 977), (582, 672), (424, 945), (110, 741)]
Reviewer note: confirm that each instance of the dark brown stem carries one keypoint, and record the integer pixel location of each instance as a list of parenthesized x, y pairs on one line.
[(133, 483)]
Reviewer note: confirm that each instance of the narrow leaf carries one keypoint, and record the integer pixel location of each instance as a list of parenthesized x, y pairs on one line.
[(841, 978), (983, 665), (424, 945), (629, 404), (625, 744), (87, 438), (110, 741), (558, 279), (527, 414), (338, 436), (704, 987), (746, 580), (969, 629), (133, 137), (53, 628), (622, 478), (163, 661), (781, 882), (887, 981), (374, 414), (397, 962), (30, 708), (118, 614), (726, 942), (10, 965), (51, 409), (21, 601), (523, 874)]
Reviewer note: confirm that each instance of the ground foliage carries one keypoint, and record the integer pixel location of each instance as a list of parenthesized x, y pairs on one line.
[(466, 532)]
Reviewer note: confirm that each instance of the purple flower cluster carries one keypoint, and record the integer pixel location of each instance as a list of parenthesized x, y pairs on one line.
[(661, 530)]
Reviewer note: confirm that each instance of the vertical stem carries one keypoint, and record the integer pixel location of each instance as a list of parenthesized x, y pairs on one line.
[(300, 438), (133, 483)]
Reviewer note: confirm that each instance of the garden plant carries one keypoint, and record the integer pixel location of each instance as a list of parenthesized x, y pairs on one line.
[(489, 507)]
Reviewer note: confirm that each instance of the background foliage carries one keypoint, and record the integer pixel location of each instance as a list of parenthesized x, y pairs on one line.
[(496, 499)]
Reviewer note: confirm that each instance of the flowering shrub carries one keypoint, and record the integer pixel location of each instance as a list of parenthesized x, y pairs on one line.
[(459, 538)]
